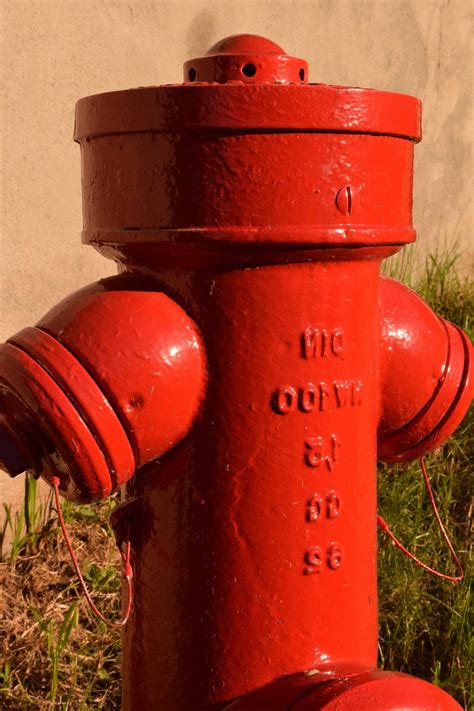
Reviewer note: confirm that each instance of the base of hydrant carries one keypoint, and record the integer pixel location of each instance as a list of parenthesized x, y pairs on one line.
[(367, 691)]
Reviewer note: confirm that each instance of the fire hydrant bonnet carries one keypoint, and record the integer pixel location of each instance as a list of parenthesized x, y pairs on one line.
[(231, 151)]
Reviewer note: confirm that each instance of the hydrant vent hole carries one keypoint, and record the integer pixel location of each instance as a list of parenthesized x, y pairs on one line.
[(249, 70)]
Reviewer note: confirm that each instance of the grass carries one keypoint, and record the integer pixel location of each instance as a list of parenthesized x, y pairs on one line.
[(57, 657), (55, 654)]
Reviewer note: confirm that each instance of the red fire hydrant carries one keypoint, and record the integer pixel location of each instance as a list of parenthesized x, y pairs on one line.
[(251, 364)]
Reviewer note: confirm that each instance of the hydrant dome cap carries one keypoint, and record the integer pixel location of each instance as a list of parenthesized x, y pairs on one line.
[(237, 44), (248, 59)]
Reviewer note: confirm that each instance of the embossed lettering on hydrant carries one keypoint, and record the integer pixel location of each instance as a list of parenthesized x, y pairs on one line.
[(321, 342), (317, 505), (315, 558), (318, 450), (313, 397)]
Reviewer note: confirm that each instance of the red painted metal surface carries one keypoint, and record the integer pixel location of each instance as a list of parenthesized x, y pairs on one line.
[(250, 343), (108, 380), (353, 691), (246, 58), (426, 373)]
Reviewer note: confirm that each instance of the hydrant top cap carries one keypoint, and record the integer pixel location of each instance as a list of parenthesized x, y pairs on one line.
[(248, 82), (237, 44), (246, 58)]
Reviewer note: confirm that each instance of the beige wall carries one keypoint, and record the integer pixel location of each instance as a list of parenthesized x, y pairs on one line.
[(54, 52)]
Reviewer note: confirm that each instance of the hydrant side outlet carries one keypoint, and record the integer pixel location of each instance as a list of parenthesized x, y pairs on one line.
[(250, 364), (426, 375), (128, 366)]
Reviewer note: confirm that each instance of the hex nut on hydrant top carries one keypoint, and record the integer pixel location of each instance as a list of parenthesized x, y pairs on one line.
[(241, 375)]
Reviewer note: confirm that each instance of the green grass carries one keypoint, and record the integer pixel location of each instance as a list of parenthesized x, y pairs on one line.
[(55, 654), (55, 658)]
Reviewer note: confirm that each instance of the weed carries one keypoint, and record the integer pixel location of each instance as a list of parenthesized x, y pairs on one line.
[(16, 525), (56, 643), (25, 524), (74, 663)]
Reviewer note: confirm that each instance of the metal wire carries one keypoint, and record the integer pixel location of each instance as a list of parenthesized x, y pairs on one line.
[(127, 568), (385, 528)]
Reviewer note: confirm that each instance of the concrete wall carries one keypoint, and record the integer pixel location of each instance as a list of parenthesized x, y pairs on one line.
[(54, 52)]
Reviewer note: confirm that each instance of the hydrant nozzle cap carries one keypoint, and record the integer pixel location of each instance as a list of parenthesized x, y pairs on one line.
[(248, 59)]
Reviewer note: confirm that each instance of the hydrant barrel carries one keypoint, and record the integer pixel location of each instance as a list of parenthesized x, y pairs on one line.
[(263, 528)]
